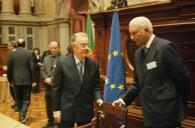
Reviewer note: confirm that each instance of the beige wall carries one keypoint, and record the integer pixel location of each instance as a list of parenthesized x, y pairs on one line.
[(49, 8), (45, 25)]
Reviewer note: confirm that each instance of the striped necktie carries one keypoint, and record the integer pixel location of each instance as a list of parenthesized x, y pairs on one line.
[(80, 65), (145, 50)]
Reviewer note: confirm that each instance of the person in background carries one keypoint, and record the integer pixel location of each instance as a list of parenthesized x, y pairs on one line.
[(3, 70), (161, 78), (20, 74), (12, 48), (69, 51), (37, 64), (47, 73), (76, 85), (45, 53)]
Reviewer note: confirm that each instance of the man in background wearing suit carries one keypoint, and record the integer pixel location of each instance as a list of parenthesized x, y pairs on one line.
[(47, 73), (20, 73), (161, 78), (12, 48), (76, 85)]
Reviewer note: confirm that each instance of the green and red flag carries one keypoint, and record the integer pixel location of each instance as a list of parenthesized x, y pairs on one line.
[(90, 36)]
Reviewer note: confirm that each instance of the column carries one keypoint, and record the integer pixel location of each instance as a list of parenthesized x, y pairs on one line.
[(106, 4), (25, 7), (64, 36), (61, 10), (7, 7), (38, 7)]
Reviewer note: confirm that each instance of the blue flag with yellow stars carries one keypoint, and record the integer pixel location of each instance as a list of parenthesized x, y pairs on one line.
[(114, 86)]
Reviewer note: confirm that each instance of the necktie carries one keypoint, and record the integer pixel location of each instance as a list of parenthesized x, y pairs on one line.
[(52, 62), (80, 64), (145, 50)]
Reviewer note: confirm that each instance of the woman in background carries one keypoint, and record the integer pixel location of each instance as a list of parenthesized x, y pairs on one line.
[(37, 64)]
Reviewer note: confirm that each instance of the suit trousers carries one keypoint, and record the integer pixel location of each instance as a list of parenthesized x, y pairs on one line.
[(13, 94), (23, 93), (48, 100), (36, 89)]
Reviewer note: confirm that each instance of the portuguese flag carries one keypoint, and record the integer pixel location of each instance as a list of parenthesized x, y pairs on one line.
[(90, 36)]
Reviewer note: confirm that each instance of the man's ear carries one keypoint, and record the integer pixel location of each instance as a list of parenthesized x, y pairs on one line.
[(147, 30)]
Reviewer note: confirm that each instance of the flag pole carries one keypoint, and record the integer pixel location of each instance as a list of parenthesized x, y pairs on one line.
[(89, 11)]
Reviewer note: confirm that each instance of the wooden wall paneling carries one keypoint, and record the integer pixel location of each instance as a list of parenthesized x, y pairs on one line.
[(4, 52), (77, 23), (128, 64)]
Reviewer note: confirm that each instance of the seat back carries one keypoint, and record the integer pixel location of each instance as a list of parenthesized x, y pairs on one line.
[(110, 116)]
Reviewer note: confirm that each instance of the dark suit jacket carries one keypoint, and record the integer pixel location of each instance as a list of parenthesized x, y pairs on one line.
[(162, 88), (20, 67), (73, 98), (35, 61), (48, 68)]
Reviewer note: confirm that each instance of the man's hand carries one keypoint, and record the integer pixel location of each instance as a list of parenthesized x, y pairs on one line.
[(40, 64), (11, 84), (118, 103), (57, 116), (48, 81), (34, 84), (99, 102)]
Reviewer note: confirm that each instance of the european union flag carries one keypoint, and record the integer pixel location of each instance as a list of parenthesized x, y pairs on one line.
[(115, 81)]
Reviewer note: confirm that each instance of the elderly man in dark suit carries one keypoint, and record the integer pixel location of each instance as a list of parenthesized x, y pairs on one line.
[(161, 78), (20, 73), (47, 73), (76, 85)]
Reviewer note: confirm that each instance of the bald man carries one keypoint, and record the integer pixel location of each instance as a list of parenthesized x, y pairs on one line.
[(20, 74), (161, 78), (47, 73)]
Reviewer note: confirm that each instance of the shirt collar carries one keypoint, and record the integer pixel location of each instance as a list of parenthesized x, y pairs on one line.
[(77, 60), (148, 44)]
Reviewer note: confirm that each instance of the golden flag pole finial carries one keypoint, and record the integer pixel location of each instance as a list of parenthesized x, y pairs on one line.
[(116, 8), (89, 11)]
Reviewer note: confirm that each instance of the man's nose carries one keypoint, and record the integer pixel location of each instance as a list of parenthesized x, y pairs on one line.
[(86, 47), (131, 36)]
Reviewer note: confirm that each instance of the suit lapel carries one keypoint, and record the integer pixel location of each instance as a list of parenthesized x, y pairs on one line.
[(86, 69), (151, 51), (140, 59), (149, 57), (74, 70), (49, 65)]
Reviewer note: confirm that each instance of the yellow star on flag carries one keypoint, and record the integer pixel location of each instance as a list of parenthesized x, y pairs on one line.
[(112, 86), (121, 87), (106, 80), (115, 53)]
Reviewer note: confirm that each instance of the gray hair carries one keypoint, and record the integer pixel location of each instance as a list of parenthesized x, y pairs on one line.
[(79, 37), (21, 42), (142, 21)]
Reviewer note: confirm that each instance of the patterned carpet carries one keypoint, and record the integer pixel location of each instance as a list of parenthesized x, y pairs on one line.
[(36, 113)]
